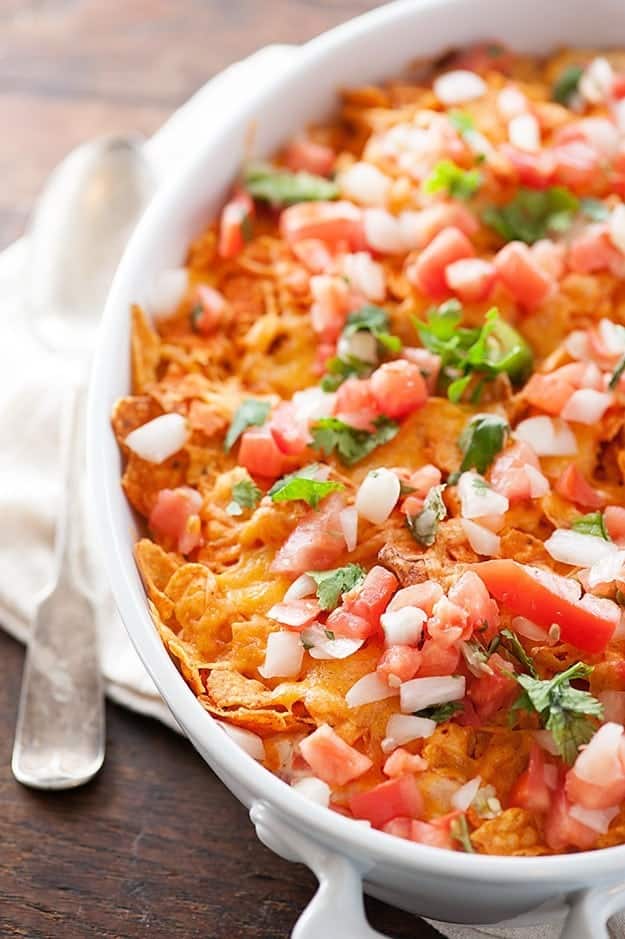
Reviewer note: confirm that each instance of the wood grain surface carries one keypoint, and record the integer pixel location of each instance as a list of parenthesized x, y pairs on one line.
[(156, 846)]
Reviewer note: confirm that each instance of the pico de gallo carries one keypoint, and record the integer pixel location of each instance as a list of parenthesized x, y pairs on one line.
[(376, 439)]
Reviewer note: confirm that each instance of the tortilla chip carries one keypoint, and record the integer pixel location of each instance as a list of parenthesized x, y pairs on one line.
[(513, 832), (449, 750), (156, 568), (142, 481), (130, 413)]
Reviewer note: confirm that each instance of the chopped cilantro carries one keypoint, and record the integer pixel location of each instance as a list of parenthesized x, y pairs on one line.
[(481, 441), (515, 647), (372, 319), (331, 585), (565, 85), (340, 369), (329, 634), (439, 713), (423, 527), (461, 121), (616, 374), (452, 179), (195, 316), (251, 413), (245, 495), (351, 444), (302, 486), (459, 830), (281, 187), (594, 209), (591, 524), (570, 714), (533, 214)]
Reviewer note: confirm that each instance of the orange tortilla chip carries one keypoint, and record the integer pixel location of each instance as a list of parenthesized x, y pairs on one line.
[(156, 568), (514, 832)]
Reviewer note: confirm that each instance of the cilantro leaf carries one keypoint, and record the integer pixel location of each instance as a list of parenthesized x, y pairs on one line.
[(351, 444), (461, 121), (452, 179), (340, 369), (564, 710), (302, 486), (459, 830), (441, 712), (423, 527), (375, 320), (245, 495), (594, 209), (616, 374), (281, 187), (481, 441), (565, 85), (331, 585), (591, 524), (532, 214), (515, 647), (251, 413)]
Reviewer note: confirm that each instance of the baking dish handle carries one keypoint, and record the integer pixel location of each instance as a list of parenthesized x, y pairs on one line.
[(590, 912), (337, 908)]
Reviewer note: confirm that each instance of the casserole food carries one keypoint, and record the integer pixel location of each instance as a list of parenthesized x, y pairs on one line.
[(158, 259)]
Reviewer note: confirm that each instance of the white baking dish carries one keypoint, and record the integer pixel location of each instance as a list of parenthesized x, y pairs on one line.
[(449, 886)]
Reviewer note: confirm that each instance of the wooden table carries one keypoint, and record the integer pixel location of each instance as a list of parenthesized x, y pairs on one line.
[(155, 846)]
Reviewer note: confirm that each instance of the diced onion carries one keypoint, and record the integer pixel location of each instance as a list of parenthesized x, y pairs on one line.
[(600, 759), (549, 436), (608, 569), (402, 728), (167, 292), (248, 741), (367, 689), (539, 484), (511, 102), (529, 630), (403, 627), (458, 86), (349, 526), (314, 789), (550, 775), (483, 541), (313, 404), (365, 275), (524, 133), (477, 499), (377, 496), (572, 547), (303, 586), (419, 693), (596, 82), (360, 345), (596, 819), (365, 184), (321, 646), (283, 656), (616, 227), (159, 439), (463, 797), (587, 406), (383, 232), (612, 335), (576, 344)]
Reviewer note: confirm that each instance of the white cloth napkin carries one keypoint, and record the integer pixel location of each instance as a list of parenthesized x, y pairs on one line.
[(32, 389)]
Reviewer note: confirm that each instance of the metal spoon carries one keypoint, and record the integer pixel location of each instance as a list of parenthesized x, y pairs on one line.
[(77, 235)]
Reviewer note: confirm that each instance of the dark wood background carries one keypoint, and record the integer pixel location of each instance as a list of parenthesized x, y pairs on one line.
[(155, 846)]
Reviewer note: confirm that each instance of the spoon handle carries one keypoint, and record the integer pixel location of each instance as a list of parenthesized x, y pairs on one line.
[(60, 735)]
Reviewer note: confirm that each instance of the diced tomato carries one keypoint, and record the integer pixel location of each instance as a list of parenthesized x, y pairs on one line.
[(545, 598), (437, 659), (549, 392), (331, 759), (174, 519), (535, 170), (429, 365), (471, 279), (490, 693), (349, 626), (598, 134), (402, 761), (304, 154), (522, 275), (482, 613), (423, 596), (235, 225), (316, 543), (397, 797), (449, 623), (296, 614), (399, 664), (429, 222), (576, 164), (614, 518), (211, 305), (468, 716), (593, 251), (398, 388), (399, 828), (597, 778), (290, 433), (356, 404), (411, 505), (370, 600), (550, 256), (259, 453), (424, 478), (562, 831), (572, 485), (337, 224), (530, 790), (431, 834), (313, 254), (618, 86), (325, 351), (427, 273), (330, 307), (508, 474)]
